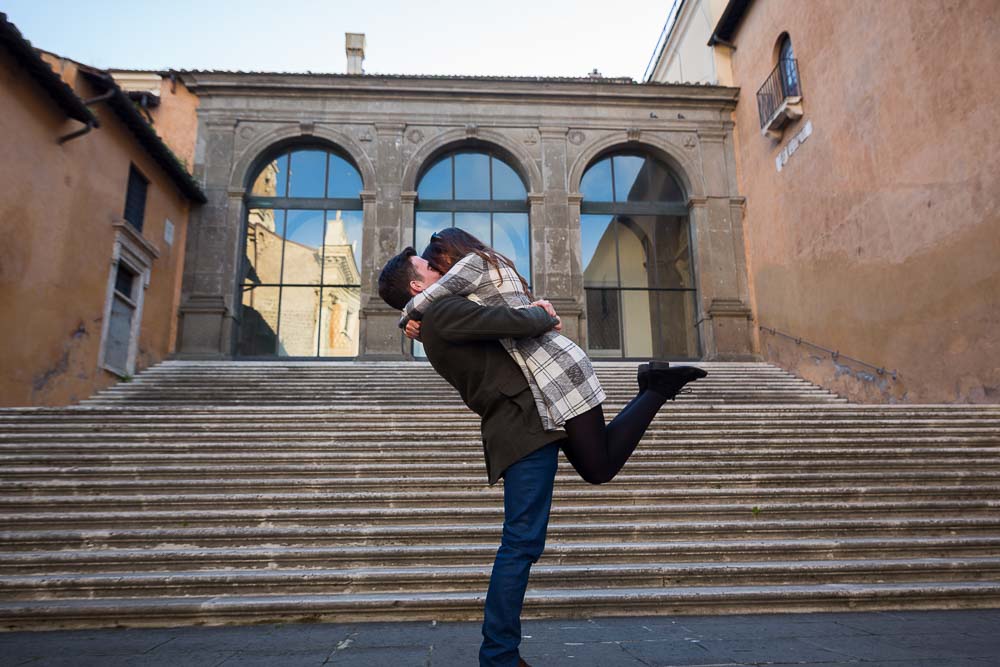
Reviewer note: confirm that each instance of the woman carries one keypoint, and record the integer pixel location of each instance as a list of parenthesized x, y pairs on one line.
[(559, 373)]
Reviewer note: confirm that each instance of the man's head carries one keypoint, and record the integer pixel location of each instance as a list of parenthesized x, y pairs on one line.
[(403, 277)]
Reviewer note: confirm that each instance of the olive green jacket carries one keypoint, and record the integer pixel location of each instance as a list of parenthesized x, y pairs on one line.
[(460, 339)]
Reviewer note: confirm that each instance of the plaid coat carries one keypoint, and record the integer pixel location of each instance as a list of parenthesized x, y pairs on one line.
[(558, 371)]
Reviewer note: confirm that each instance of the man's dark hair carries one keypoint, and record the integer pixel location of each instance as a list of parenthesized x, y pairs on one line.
[(394, 281)]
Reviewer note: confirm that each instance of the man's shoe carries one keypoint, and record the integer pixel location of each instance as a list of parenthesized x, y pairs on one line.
[(522, 663), (642, 375), (669, 382)]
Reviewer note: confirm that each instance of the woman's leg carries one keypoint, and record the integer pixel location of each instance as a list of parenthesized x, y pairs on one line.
[(598, 451)]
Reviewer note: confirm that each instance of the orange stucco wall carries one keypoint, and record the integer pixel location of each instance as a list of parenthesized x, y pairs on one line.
[(57, 207), (880, 237), (176, 119)]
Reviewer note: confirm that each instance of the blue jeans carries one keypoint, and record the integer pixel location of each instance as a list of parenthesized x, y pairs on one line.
[(527, 496)]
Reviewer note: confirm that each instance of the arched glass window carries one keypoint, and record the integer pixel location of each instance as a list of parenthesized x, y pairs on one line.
[(483, 195), (301, 286), (789, 68), (637, 270)]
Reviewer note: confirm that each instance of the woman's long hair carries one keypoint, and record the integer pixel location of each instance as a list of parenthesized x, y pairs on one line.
[(452, 244)]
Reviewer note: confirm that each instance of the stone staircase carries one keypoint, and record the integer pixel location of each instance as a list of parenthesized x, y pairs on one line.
[(205, 492)]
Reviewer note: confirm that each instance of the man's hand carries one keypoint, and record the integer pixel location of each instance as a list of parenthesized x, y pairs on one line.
[(548, 308), (413, 330)]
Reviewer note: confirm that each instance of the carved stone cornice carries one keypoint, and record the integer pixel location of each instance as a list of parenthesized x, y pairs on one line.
[(574, 198), (367, 196), (697, 202), (536, 198), (408, 196), (125, 228)]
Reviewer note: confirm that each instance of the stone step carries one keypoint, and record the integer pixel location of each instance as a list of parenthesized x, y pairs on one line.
[(454, 606), (761, 549), (113, 474), (301, 456), (491, 511), (749, 527), (325, 581), (611, 496), (430, 481)]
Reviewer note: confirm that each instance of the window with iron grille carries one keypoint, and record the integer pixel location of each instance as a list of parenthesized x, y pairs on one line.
[(135, 198)]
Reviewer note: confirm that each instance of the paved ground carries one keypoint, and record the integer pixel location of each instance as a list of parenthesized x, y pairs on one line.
[(899, 639)]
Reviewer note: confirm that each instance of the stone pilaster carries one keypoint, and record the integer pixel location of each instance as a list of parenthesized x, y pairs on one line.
[(387, 228), (210, 280)]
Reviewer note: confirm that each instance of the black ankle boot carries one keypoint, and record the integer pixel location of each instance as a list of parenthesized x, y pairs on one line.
[(642, 375), (669, 382)]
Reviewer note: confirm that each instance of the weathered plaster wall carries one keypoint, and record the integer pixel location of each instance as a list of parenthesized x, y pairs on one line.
[(880, 236), (56, 213)]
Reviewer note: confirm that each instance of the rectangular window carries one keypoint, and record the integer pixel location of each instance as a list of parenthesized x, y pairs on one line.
[(135, 198)]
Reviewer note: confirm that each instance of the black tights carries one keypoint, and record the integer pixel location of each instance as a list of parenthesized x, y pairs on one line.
[(599, 451)]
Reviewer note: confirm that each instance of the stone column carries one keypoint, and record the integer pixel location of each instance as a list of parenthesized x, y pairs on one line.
[(206, 311), (381, 337), (551, 233)]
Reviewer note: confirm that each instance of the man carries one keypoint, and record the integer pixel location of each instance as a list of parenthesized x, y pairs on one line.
[(460, 338)]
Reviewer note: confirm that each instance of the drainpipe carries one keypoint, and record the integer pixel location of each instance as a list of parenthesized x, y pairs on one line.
[(90, 125)]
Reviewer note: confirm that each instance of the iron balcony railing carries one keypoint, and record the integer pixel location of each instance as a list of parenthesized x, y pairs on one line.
[(782, 83)]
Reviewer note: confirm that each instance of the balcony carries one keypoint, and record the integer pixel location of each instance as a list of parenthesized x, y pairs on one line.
[(779, 100)]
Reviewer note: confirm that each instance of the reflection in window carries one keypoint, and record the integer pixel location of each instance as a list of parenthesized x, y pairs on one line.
[(636, 258), (302, 285), (480, 193)]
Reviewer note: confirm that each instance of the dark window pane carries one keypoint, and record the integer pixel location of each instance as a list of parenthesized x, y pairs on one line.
[(342, 248), (259, 321), (596, 182), (472, 176), (600, 254), (670, 264), (436, 183), (673, 315), (629, 182), (298, 329), (135, 199), (339, 324), (506, 183), (637, 320), (303, 247), (477, 224), (511, 238), (428, 222), (265, 231), (662, 184), (124, 281), (307, 174), (635, 243), (344, 181), (272, 179), (603, 323)]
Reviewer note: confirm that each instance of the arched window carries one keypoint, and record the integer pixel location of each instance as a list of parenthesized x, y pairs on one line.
[(301, 286), (480, 193), (789, 68), (637, 270)]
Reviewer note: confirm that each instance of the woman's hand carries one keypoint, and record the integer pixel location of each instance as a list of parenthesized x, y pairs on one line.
[(412, 330), (548, 308)]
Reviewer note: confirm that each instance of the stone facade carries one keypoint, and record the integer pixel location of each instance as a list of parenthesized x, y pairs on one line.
[(548, 130)]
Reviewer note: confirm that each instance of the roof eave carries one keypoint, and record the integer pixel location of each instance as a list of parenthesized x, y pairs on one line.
[(125, 109), (27, 56), (729, 22)]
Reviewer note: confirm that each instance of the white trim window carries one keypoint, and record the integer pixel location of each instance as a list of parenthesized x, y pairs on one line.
[(131, 266)]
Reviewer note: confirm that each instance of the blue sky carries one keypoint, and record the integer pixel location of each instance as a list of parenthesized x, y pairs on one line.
[(514, 37)]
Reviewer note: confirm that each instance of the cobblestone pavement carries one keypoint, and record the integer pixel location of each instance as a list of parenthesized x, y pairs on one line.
[(900, 639)]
